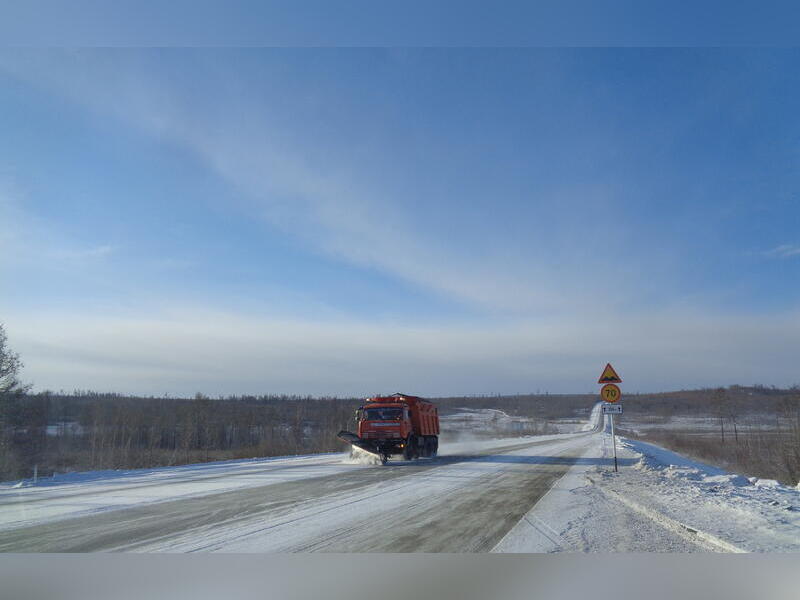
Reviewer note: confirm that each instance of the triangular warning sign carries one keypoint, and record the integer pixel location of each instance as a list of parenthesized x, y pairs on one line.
[(609, 375)]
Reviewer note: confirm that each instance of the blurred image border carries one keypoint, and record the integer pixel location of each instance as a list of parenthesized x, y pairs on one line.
[(401, 576)]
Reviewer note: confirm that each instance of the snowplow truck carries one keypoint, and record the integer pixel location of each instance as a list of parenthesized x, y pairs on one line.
[(396, 424)]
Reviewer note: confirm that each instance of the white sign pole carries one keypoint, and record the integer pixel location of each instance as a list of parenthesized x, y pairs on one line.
[(614, 442)]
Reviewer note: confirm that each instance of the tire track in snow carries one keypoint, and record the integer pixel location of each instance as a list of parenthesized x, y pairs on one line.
[(159, 523)]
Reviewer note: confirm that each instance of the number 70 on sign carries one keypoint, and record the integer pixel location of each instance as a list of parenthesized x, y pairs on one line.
[(610, 393)]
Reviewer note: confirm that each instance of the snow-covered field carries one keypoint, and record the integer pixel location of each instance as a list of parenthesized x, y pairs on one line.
[(490, 421), (748, 423), (482, 420)]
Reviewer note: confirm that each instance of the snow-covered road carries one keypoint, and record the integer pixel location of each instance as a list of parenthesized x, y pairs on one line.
[(461, 501), (541, 494)]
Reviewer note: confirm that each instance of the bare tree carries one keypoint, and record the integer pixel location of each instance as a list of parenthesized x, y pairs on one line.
[(11, 388), (719, 400), (10, 365)]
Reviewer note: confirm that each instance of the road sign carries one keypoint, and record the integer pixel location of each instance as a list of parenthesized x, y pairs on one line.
[(609, 375), (610, 393)]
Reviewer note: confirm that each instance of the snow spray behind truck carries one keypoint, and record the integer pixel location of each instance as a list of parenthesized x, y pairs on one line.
[(396, 424)]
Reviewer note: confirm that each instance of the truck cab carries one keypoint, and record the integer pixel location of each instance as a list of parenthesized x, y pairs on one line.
[(384, 421)]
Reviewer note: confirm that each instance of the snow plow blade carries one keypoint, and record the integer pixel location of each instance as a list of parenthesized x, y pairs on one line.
[(354, 440), (349, 437)]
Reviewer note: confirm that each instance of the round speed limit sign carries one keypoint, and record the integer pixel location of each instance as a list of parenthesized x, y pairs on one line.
[(610, 393)]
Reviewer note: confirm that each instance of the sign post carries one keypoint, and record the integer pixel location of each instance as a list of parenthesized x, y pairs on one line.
[(611, 393), (614, 443)]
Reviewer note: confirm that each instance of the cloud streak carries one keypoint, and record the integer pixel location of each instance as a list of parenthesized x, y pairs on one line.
[(82, 254), (28, 242), (326, 203), (783, 251)]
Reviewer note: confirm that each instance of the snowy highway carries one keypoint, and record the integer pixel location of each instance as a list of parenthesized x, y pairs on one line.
[(537, 494), (464, 502)]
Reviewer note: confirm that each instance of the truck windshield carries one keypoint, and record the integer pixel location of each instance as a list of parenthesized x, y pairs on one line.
[(382, 414)]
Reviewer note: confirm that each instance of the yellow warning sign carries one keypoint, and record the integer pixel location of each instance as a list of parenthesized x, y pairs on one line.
[(609, 375), (610, 393)]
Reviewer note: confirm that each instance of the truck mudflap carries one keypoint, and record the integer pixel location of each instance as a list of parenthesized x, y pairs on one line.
[(366, 446)]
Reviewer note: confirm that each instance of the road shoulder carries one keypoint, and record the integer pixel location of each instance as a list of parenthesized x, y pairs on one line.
[(658, 502)]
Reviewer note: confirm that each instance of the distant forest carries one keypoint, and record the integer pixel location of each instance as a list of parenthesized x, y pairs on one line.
[(58, 432), (64, 432)]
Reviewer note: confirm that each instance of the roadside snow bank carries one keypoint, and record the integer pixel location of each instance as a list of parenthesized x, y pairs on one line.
[(674, 465), (659, 501), (756, 515)]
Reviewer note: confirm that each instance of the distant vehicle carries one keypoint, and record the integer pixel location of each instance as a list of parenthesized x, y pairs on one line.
[(396, 424)]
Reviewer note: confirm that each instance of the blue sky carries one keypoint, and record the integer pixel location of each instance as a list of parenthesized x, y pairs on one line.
[(440, 221)]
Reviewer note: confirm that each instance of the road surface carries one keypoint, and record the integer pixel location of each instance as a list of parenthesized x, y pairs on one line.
[(464, 502)]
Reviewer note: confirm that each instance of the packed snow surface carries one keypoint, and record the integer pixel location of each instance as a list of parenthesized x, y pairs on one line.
[(77, 494), (656, 499)]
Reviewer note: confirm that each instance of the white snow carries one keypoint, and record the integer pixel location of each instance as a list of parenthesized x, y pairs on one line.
[(77, 494), (310, 525), (358, 456), (488, 421), (659, 501), (766, 483)]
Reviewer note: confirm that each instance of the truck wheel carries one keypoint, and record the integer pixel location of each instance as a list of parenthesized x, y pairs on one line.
[(427, 447), (409, 450), (384, 459), (434, 446)]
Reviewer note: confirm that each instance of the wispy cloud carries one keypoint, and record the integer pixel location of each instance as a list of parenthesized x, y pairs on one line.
[(326, 204), (30, 243), (80, 254), (783, 251)]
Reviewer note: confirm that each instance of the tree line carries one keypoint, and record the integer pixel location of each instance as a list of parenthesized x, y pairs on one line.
[(91, 431)]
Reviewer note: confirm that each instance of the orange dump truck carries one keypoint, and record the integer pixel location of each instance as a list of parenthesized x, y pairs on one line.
[(396, 424)]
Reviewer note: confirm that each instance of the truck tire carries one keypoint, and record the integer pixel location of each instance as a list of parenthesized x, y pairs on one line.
[(410, 448), (434, 446)]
